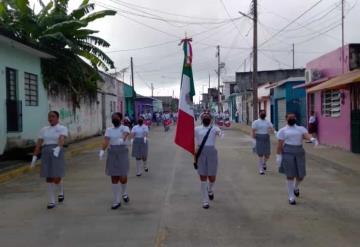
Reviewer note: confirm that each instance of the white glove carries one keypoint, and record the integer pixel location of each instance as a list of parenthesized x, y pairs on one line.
[(315, 141), (278, 159), (33, 161), (121, 141), (145, 139), (101, 154), (56, 151), (275, 132)]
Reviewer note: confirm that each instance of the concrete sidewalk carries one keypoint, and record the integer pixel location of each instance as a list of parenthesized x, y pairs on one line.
[(338, 159), (13, 169)]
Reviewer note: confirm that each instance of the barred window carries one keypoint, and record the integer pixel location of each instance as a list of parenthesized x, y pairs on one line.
[(31, 90), (331, 103)]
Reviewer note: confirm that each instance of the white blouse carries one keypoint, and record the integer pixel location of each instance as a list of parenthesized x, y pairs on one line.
[(200, 132), (50, 134), (140, 131), (292, 135), (261, 126), (116, 135)]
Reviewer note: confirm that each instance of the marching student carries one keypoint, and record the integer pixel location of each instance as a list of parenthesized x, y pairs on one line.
[(313, 125), (117, 162), (260, 134), (140, 145), (291, 155), (50, 144), (206, 157)]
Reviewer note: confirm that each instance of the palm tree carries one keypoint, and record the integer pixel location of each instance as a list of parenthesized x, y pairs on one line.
[(63, 34)]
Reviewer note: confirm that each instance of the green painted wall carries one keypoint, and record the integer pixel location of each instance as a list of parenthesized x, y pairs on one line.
[(34, 117)]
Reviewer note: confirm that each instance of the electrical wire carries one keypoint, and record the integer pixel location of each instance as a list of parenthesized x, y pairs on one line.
[(291, 22)]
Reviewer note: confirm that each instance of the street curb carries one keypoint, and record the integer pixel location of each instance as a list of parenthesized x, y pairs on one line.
[(24, 167), (323, 161)]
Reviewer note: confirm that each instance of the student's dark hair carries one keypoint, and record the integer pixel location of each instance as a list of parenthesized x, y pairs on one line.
[(56, 113), (119, 114), (262, 111)]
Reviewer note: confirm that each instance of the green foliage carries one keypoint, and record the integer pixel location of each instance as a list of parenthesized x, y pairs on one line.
[(77, 52)]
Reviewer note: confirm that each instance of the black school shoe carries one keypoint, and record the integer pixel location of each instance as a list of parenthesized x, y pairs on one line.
[(115, 206), (264, 167), (146, 169), (292, 202), (51, 206), (126, 198), (211, 196), (297, 192), (206, 205), (61, 198)]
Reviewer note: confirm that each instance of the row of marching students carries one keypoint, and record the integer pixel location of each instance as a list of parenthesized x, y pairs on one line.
[(290, 153), (51, 141), (290, 157)]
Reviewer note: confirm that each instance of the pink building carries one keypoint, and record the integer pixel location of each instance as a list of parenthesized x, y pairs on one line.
[(335, 97)]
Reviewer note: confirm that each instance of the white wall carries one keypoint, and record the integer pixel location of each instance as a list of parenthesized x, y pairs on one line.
[(84, 122), (265, 92), (226, 90)]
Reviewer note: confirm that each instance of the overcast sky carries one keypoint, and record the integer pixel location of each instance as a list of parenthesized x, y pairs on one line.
[(150, 30)]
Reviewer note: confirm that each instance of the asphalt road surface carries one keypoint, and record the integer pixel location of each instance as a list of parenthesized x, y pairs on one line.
[(165, 208)]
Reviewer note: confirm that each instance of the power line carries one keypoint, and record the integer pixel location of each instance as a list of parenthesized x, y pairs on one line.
[(167, 20), (126, 4), (144, 47), (319, 34), (228, 14), (291, 22)]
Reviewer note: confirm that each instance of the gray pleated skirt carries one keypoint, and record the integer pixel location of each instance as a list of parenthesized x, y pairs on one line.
[(117, 162), (51, 166), (293, 161), (139, 148), (262, 144), (208, 161)]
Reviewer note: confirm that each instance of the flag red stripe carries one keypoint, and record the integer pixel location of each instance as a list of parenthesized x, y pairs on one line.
[(184, 136)]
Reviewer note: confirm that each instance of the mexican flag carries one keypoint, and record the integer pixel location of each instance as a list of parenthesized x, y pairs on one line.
[(185, 132)]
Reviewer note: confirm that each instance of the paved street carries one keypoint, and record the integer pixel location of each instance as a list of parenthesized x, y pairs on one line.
[(165, 207)]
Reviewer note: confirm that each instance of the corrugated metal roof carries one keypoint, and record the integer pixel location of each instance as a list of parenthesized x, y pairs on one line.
[(338, 82)]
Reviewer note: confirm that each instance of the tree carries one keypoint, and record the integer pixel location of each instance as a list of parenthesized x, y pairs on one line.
[(64, 35)]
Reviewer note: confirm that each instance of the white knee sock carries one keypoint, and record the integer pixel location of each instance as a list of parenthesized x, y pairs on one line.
[(51, 192), (144, 162), (296, 184), (138, 167), (290, 186), (116, 193), (60, 188), (124, 189), (261, 164), (211, 187), (204, 191)]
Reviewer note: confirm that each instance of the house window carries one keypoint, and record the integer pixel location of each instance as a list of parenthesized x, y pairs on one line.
[(31, 90), (331, 103), (11, 84)]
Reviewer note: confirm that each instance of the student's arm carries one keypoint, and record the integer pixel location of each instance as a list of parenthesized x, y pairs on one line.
[(105, 143)]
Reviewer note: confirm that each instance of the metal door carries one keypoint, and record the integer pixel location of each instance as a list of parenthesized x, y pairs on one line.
[(13, 105)]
